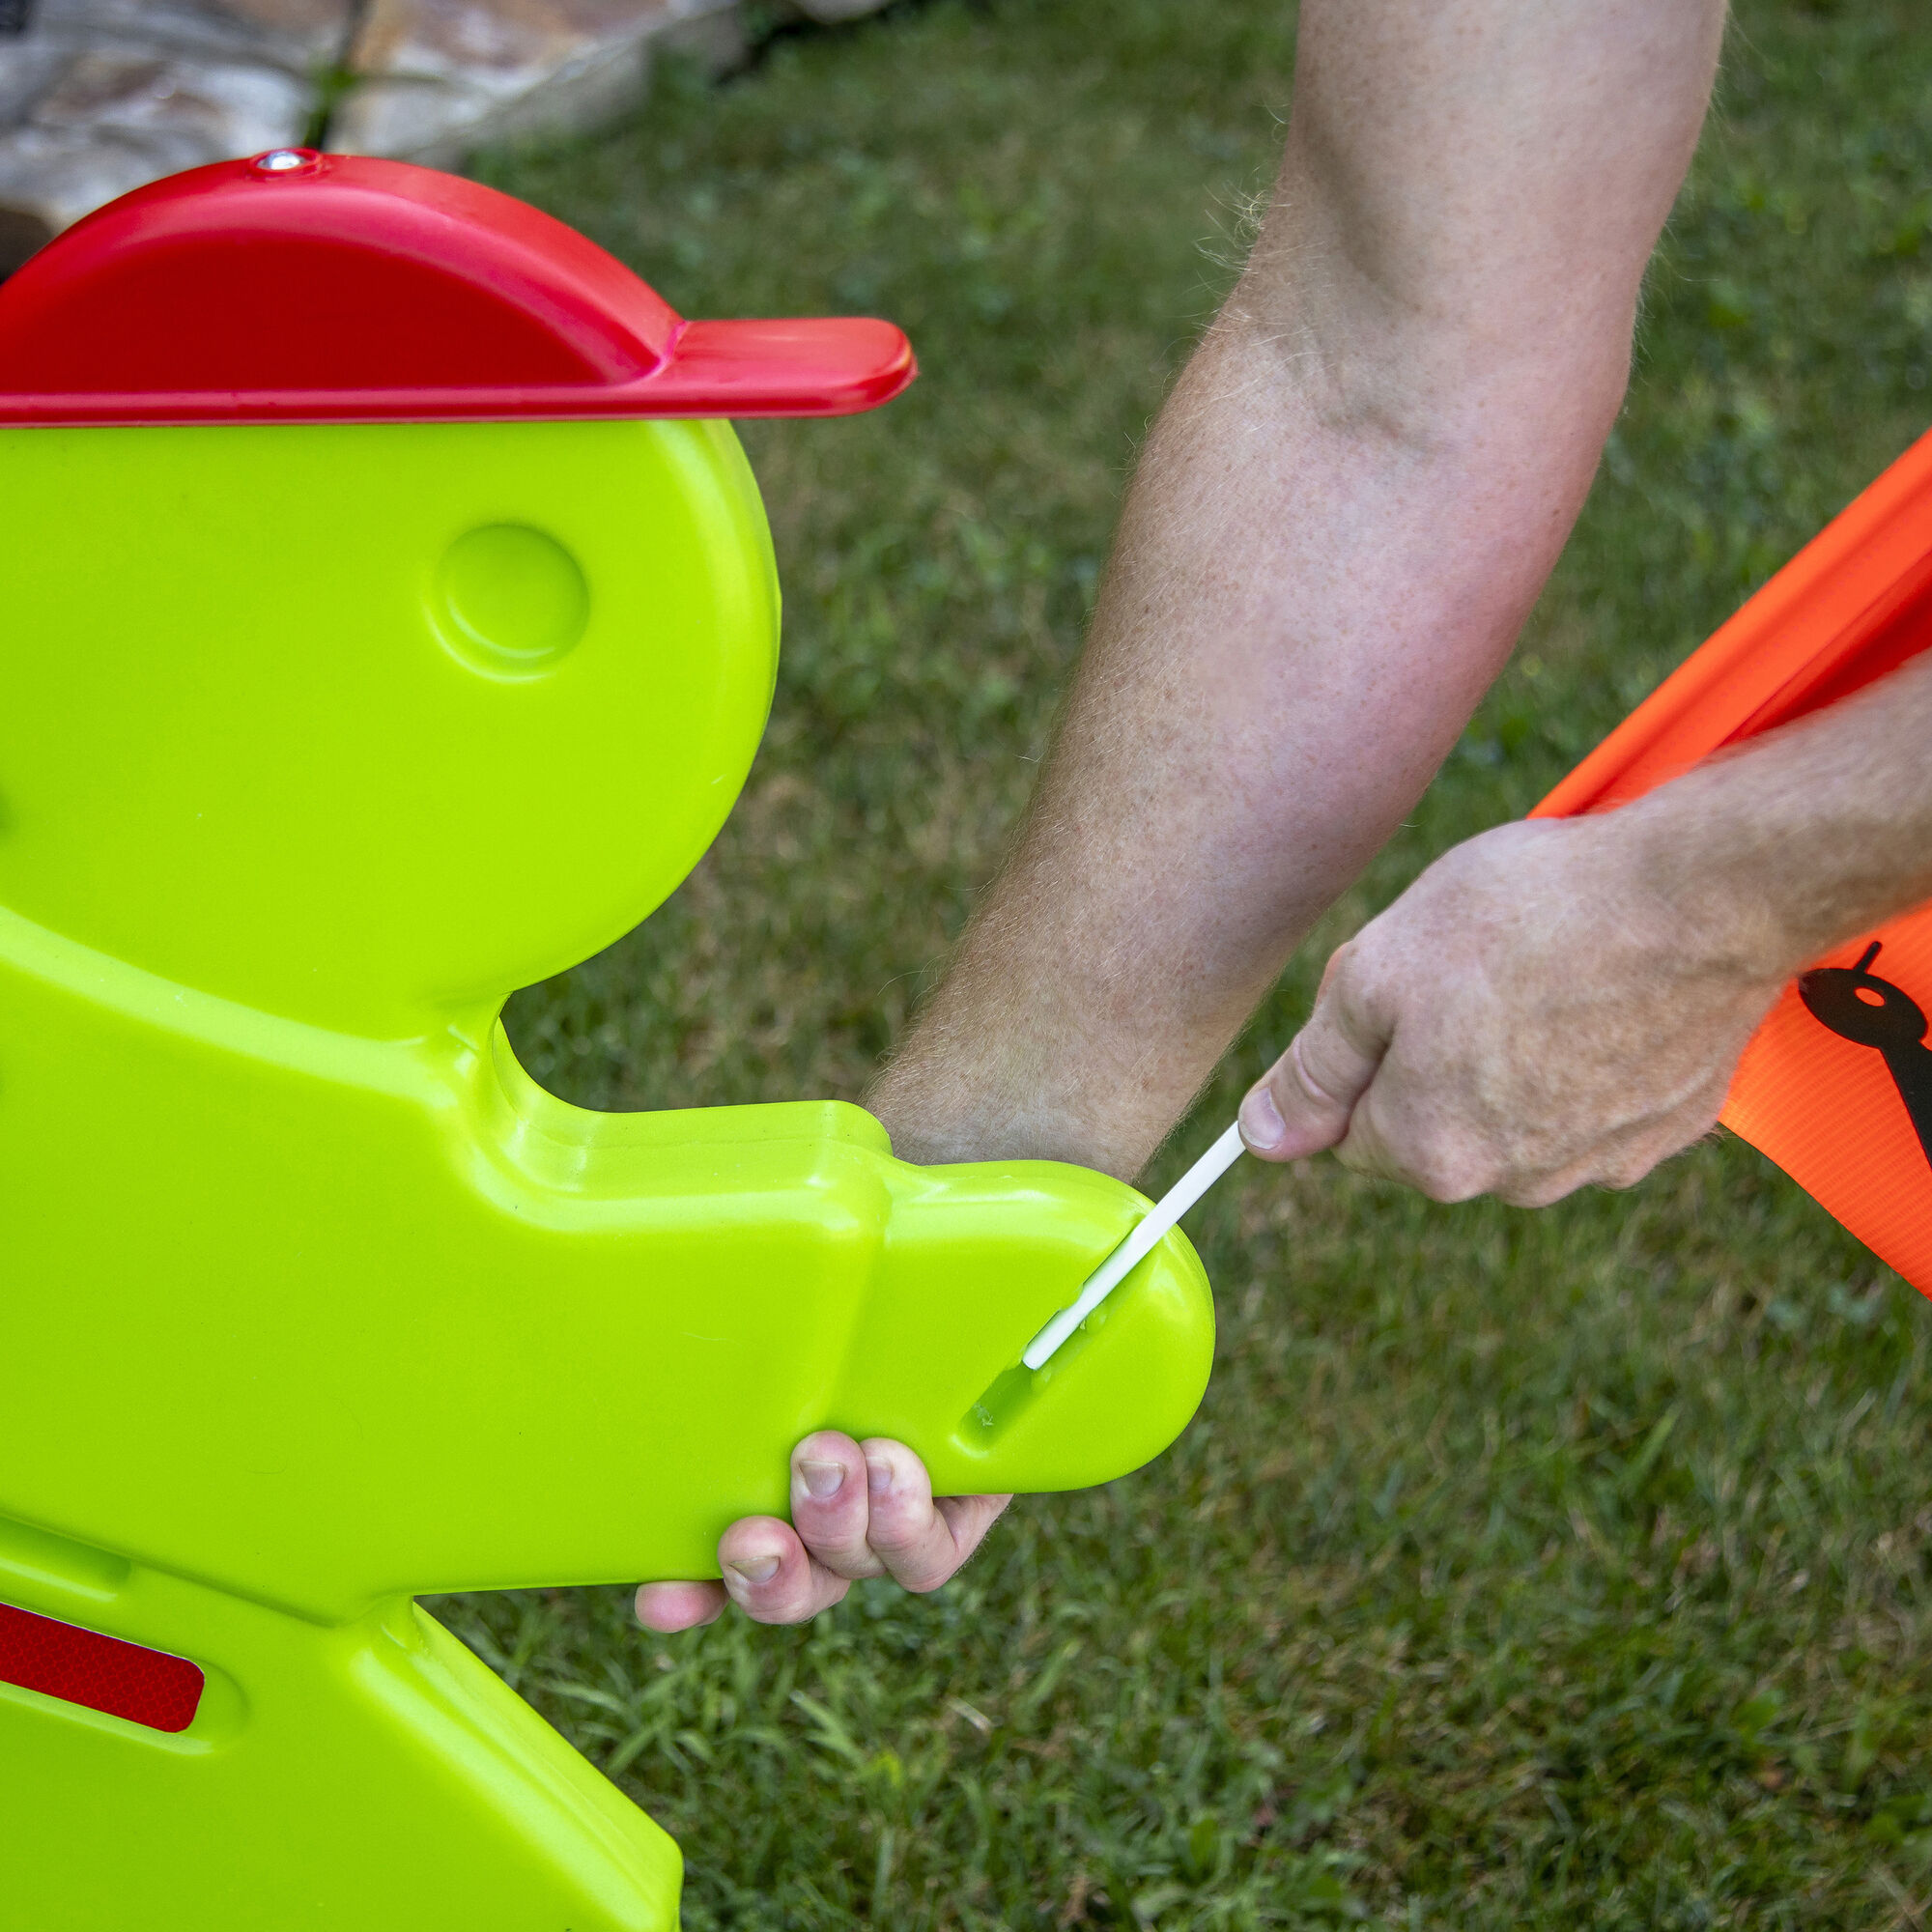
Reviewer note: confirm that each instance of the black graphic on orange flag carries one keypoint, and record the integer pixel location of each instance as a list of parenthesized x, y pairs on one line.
[(1834, 1113), (1859, 1006), (1836, 1099)]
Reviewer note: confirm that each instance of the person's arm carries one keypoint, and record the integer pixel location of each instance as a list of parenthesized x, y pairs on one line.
[(1564, 1001), (1341, 517)]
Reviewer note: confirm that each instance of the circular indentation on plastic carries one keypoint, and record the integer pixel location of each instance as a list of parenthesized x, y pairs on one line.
[(509, 599)]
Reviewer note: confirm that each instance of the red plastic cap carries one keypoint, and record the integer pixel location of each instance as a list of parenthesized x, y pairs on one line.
[(299, 287)]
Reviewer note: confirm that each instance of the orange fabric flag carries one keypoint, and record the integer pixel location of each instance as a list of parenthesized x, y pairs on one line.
[(1836, 1086)]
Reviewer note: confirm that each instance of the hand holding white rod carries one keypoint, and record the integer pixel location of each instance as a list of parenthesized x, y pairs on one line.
[(1139, 1244)]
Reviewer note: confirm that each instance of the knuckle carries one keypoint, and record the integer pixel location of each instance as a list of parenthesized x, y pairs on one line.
[(1337, 964), (1451, 1175), (1368, 981), (1309, 1072), (1363, 1153), (1541, 1191), (900, 1532), (1357, 970), (838, 1552), (778, 1602), (923, 1582), (1626, 1174), (927, 1564), (854, 1565), (799, 1606), (835, 1538), (971, 1517)]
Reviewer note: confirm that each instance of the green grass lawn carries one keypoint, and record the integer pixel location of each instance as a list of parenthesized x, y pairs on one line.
[(1561, 1569)]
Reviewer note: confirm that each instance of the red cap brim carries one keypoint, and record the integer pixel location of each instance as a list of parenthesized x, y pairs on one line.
[(826, 366), (326, 288)]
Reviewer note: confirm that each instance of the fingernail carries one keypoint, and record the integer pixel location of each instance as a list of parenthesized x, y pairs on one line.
[(755, 1569), (1261, 1123), (878, 1477), (821, 1479)]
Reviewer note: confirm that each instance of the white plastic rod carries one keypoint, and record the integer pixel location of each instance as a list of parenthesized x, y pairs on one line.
[(1138, 1245)]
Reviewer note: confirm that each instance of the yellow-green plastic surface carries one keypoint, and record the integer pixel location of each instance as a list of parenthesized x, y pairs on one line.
[(314, 744)]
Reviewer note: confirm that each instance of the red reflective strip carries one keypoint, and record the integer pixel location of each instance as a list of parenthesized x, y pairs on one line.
[(82, 1667)]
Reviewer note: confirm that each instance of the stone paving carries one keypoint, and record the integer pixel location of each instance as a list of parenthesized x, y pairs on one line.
[(100, 96)]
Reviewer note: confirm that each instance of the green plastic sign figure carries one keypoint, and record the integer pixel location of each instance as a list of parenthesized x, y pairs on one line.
[(388, 621)]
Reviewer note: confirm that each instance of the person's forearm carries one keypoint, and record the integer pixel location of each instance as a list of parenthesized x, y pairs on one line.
[(1800, 841), (1342, 519)]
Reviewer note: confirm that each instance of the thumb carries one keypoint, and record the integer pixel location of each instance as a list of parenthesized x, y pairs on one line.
[(1304, 1101)]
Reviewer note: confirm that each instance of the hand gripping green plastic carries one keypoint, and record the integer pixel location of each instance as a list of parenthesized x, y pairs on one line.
[(314, 743)]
